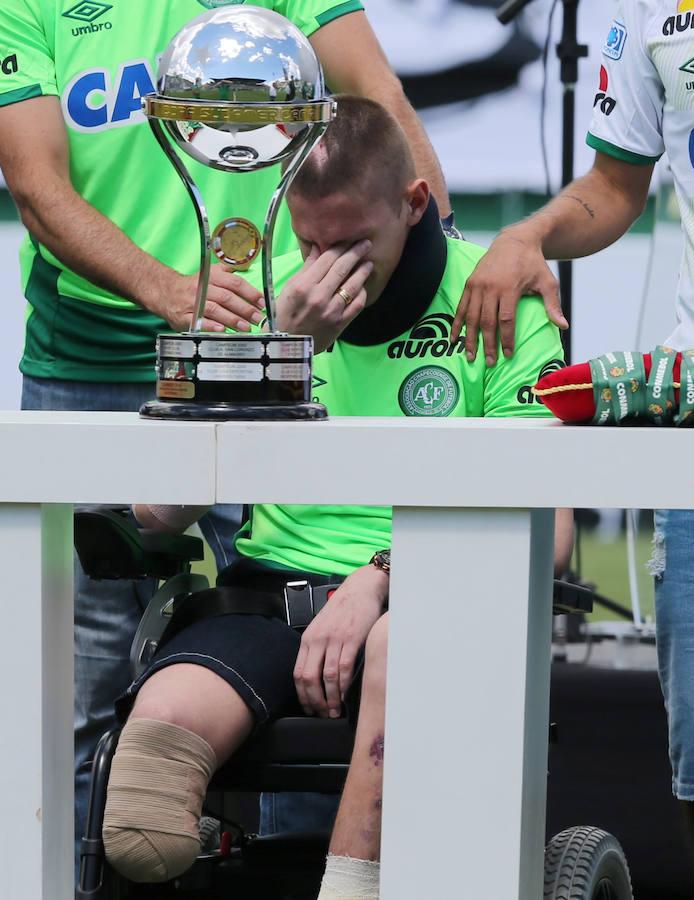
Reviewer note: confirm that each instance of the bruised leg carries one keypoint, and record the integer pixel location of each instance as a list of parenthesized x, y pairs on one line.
[(355, 848), (185, 723)]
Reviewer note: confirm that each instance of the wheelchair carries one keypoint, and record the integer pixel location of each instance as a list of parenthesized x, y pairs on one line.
[(289, 754)]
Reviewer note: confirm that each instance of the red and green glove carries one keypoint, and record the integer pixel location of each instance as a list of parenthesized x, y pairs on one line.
[(623, 387)]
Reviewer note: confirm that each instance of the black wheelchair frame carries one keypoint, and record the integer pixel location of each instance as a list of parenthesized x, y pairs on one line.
[(290, 754)]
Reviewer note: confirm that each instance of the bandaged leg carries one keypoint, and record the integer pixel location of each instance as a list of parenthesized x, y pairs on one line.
[(350, 879), (156, 789)]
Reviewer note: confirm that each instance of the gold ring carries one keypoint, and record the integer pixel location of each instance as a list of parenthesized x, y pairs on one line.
[(346, 296)]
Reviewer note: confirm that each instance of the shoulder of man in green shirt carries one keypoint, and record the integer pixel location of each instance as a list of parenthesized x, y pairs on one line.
[(504, 389)]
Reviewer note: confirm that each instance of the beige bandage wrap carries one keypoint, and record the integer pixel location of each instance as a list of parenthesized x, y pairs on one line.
[(157, 785)]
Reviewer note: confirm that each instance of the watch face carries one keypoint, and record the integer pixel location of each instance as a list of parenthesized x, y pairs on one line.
[(382, 560)]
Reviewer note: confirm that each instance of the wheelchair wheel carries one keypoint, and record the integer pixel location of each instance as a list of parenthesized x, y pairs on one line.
[(586, 863)]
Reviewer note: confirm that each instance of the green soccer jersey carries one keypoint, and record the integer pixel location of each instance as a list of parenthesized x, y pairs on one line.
[(100, 58), (419, 372)]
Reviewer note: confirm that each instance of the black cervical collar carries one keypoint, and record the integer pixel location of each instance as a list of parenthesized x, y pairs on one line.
[(411, 287)]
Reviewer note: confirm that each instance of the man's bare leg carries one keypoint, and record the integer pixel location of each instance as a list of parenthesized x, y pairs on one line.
[(197, 699), (352, 870)]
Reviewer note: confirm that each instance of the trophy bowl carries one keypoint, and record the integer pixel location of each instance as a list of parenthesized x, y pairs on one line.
[(243, 55), (238, 89)]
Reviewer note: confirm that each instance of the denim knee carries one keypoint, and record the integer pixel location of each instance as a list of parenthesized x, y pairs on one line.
[(672, 565)]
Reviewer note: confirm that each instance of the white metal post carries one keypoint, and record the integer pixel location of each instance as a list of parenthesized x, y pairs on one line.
[(469, 657), (36, 710)]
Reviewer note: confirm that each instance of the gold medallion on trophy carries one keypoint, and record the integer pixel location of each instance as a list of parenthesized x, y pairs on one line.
[(236, 242)]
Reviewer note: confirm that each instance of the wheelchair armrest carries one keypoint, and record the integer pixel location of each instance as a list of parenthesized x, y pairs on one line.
[(568, 597), (291, 754), (298, 739), (109, 546)]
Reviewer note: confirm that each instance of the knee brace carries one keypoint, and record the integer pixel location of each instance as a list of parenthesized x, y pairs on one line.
[(157, 785)]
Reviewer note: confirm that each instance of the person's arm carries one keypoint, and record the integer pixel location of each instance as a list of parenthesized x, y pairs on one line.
[(587, 216), (34, 158), (563, 540), (354, 63), (626, 130), (329, 646)]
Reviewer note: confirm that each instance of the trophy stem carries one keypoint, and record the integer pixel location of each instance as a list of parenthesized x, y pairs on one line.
[(292, 168), (203, 223)]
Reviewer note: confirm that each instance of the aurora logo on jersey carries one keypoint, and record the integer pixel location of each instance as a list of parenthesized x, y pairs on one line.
[(93, 102), (431, 335), (682, 21), (429, 391), (525, 393), (9, 65)]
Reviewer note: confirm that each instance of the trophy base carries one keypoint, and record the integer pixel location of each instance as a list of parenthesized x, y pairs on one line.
[(244, 377), (230, 412)]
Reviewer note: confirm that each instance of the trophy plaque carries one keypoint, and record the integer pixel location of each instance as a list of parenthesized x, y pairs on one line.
[(239, 88)]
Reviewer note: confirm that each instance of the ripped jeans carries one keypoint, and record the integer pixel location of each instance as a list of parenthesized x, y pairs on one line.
[(672, 566)]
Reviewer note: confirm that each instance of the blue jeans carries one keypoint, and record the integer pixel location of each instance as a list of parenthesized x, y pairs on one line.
[(297, 812), (672, 565), (107, 612)]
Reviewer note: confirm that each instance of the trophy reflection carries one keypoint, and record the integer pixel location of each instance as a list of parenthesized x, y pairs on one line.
[(238, 89)]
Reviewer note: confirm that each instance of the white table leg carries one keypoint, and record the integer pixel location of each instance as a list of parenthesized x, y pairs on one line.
[(467, 704), (36, 671)]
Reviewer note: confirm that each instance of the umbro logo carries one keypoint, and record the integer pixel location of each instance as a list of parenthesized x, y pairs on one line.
[(87, 11), (688, 69)]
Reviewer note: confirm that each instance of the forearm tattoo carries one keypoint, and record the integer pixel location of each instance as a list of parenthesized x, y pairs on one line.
[(583, 204)]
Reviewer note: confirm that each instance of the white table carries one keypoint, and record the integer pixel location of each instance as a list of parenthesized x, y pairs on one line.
[(467, 709)]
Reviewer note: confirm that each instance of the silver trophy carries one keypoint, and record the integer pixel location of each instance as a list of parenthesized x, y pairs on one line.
[(238, 88)]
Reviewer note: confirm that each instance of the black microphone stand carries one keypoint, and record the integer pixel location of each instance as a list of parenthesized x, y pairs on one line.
[(569, 52)]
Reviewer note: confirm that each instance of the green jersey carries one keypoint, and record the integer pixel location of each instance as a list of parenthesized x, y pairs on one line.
[(100, 58), (417, 372)]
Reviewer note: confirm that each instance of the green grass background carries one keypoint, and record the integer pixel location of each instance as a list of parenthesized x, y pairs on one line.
[(605, 564)]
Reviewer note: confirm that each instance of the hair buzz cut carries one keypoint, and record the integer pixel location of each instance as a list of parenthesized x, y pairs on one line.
[(365, 148)]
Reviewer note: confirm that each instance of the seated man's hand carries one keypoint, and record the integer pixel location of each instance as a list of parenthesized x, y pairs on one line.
[(329, 646), (326, 294), (513, 266)]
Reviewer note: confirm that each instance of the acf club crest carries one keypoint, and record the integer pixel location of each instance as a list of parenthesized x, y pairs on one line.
[(429, 391)]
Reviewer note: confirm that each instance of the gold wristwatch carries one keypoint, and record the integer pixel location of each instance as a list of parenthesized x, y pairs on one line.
[(381, 560)]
